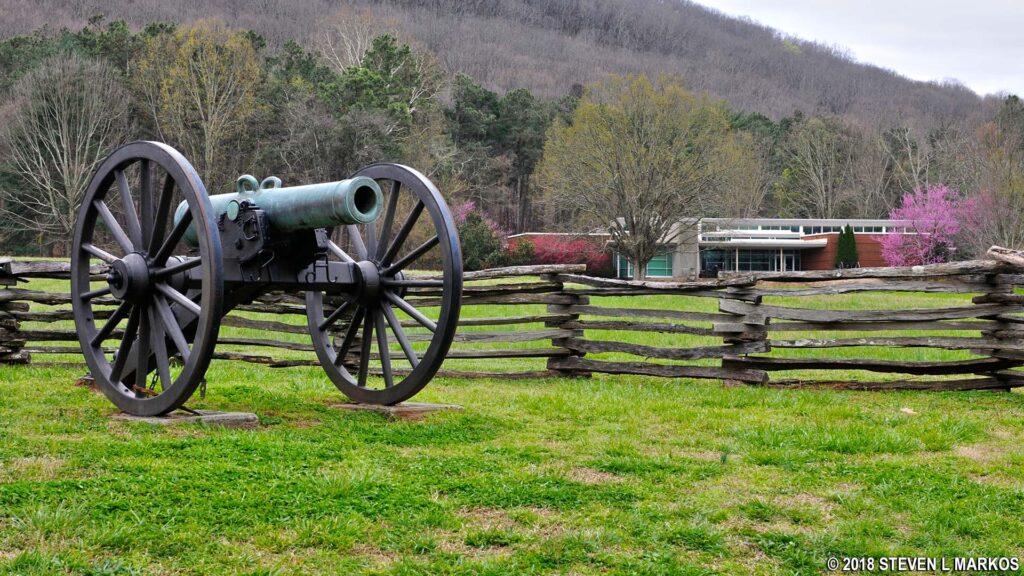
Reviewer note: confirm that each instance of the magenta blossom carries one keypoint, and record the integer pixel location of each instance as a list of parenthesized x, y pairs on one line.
[(936, 218)]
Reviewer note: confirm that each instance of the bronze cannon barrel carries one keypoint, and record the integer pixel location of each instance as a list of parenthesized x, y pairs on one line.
[(352, 201)]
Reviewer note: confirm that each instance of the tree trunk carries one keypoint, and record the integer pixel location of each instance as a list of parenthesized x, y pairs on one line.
[(639, 270)]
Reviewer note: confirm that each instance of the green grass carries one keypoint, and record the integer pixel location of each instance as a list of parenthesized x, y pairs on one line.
[(612, 475)]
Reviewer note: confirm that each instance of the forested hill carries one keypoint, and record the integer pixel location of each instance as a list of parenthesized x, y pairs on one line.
[(549, 45)]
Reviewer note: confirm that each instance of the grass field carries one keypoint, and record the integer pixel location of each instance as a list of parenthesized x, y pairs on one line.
[(610, 475)]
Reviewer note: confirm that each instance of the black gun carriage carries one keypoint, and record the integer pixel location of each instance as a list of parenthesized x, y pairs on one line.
[(171, 261)]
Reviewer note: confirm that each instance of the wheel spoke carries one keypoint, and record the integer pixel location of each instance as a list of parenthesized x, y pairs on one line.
[(357, 241), (159, 342), (410, 310), (411, 256), (173, 238), (382, 347), (119, 313), (95, 293), (113, 227), (130, 216), (371, 240), (142, 345), (337, 251), (389, 217), (176, 268), (170, 324), (179, 298), (350, 335), (146, 201), (403, 232), (99, 253), (364, 354), (163, 211), (396, 329), (334, 315), (126, 344)]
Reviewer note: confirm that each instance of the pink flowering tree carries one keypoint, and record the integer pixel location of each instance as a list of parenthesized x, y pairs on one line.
[(938, 219)]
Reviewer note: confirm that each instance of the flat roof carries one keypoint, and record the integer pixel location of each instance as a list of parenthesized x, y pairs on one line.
[(766, 243), (806, 221)]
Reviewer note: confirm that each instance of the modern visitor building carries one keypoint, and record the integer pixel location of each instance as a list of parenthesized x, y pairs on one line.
[(711, 245), (705, 246)]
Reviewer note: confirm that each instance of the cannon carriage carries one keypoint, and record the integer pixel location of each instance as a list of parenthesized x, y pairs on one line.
[(172, 261)]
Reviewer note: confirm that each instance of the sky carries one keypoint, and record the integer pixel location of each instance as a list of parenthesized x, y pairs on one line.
[(978, 42)]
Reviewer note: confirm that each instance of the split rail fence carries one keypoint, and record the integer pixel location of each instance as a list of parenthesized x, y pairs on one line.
[(541, 321)]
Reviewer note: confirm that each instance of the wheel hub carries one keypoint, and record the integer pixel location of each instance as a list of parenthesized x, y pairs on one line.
[(370, 288), (129, 278)]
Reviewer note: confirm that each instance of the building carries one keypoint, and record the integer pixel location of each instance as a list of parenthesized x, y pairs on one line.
[(705, 246)]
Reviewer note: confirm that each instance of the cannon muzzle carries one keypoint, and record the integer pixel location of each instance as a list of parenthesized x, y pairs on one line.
[(353, 201)]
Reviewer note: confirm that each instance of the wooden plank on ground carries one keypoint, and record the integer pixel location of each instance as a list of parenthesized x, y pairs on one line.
[(662, 370), (974, 366)]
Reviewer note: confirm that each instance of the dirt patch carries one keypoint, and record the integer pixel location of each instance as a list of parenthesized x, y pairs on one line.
[(592, 477), (980, 453), (706, 455), (998, 480), (488, 518), (458, 546), (806, 500), (379, 558), (38, 468)]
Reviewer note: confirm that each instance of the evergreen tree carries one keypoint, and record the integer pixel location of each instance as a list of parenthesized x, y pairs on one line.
[(846, 253)]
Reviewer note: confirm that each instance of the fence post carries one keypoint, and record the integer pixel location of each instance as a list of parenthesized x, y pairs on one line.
[(11, 343), (571, 300), (749, 327), (1004, 330)]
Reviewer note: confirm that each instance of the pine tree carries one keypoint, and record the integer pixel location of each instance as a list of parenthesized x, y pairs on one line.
[(846, 252)]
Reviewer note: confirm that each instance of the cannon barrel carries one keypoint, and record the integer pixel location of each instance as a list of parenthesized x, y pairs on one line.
[(353, 201)]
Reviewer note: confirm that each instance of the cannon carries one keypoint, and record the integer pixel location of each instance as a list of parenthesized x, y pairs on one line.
[(156, 263)]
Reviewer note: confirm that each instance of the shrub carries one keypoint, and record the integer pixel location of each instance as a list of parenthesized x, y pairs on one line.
[(846, 252), (561, 250), (483, 241)]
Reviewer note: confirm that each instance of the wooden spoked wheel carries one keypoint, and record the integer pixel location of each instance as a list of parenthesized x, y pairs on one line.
[(128, 279), (416, 228)]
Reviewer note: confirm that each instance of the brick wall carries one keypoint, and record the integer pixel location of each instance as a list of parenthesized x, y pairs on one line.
[(869, 252)]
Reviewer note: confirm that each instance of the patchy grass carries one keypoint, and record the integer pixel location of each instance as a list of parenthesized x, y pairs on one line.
[(612, 475)]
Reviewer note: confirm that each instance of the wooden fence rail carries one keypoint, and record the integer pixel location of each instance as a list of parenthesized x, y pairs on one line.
[(578, 325)]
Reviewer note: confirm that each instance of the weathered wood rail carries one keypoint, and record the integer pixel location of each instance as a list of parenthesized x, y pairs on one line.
[(553, 321)]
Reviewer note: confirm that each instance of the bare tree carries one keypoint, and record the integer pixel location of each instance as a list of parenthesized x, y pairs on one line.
[(344, 37), (819, 182), (638, 158), (746, 178), (62, 120)]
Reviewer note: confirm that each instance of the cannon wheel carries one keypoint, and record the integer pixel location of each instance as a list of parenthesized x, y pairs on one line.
[(382, 255), (132, 196)]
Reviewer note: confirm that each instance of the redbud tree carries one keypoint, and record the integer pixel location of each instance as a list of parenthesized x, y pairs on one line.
[(937, 217)]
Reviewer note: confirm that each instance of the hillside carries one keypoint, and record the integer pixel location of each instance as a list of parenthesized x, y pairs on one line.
[(549, 45)]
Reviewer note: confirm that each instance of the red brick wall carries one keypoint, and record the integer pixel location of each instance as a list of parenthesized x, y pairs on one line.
[(869, 252)]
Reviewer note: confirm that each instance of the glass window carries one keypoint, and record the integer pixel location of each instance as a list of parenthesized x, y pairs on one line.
[(660, 265), (625, 269)]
